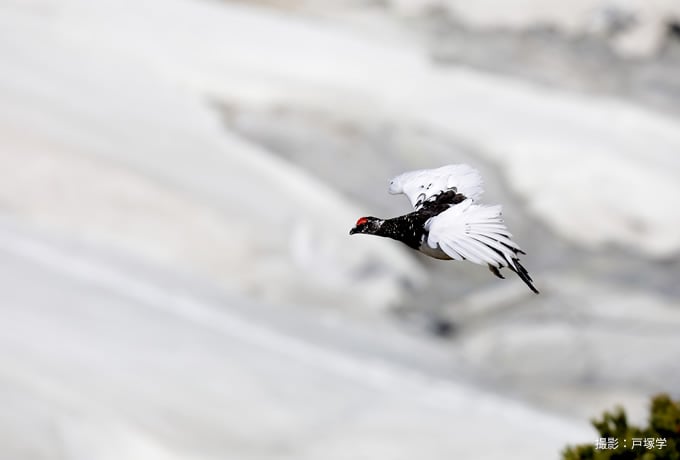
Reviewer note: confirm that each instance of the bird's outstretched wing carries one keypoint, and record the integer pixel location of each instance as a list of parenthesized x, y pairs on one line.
[(425, 184), (475, 233)]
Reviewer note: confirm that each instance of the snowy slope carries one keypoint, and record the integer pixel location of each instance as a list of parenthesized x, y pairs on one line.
[(111, 361), (634, 27), (195, 196), (571, 158)]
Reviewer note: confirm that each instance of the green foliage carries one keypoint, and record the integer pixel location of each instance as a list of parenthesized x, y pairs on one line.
[(664, 424)]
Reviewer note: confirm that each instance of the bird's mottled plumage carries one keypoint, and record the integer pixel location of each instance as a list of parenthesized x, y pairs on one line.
[(447, 223)]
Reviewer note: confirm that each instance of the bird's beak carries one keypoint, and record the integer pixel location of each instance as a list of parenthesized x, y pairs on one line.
[(353, 231)]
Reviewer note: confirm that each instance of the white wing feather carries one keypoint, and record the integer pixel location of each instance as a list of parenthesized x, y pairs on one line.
[(473, 232), (423, 184)]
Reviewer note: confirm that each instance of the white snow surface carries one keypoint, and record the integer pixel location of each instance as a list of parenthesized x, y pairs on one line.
[(596, 170), (102, 143), (109, 361)]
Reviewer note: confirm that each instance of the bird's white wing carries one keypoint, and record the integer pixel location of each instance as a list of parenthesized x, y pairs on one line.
[(473, 232), (424, 184)]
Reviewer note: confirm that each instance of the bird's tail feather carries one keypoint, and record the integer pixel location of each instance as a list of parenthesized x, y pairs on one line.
[(523, 274)]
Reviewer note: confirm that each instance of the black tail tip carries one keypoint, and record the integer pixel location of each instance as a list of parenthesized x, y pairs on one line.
[(524, 276)]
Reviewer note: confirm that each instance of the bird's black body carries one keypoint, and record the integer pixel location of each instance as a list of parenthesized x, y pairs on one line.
[(410, 228)]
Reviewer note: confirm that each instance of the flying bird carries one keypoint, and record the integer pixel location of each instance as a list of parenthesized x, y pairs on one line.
[(447, 223)]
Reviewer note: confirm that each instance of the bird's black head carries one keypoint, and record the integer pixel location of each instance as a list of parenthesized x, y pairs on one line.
[(369, 225)]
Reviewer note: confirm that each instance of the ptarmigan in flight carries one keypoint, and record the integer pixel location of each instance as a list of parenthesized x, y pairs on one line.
[(447, 223)]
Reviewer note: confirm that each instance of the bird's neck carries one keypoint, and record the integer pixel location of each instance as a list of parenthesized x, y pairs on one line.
[(408, 229)]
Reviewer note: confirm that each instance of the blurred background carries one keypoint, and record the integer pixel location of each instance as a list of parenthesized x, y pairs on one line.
[(177, 182)]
